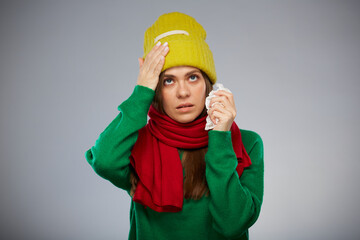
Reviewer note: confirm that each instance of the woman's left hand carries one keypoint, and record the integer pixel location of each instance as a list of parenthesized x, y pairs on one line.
[(224, 110)]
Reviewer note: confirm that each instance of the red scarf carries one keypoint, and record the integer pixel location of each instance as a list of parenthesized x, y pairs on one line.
[(156, 160)]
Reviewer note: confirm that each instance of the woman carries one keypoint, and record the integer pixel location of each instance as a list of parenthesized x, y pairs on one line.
[(184, 182)]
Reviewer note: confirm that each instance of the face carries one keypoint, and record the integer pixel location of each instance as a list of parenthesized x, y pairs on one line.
[(183, 93)]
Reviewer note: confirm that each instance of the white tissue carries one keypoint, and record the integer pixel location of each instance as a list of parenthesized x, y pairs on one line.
[(218, 86)]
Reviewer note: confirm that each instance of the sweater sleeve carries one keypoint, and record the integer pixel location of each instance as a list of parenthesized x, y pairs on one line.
[(109, 157), (235, 202)]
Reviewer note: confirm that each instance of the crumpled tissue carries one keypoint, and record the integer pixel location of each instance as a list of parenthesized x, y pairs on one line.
[(217, 86)]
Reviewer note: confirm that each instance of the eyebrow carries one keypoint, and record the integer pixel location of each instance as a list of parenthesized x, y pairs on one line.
[(187, 74)]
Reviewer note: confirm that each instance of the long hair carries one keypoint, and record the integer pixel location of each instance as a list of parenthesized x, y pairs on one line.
[(193, 160)]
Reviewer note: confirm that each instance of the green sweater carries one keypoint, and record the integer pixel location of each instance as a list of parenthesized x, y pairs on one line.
[(233, 204)]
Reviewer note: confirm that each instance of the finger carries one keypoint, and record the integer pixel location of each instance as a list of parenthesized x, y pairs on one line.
[(223, 100), (159, 66), (154, 59), (162, 51), (159, 60), (214, 113), (223, 92), (151, 55), (155, 47), (221, 109), (225, 113), (156, 51), (211, 115), (213, 104), (226, 94), (141, 62), (217, 117)]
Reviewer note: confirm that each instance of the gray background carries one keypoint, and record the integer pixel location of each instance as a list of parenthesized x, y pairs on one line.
[(65, 66)]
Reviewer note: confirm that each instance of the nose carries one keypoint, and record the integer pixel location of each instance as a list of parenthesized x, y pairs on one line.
[(183, 90)]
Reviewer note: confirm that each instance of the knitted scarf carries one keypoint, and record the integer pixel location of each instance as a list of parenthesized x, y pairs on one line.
[(156, 160)]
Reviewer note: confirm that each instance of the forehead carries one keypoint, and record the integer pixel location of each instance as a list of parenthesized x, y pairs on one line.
[(181, 70)]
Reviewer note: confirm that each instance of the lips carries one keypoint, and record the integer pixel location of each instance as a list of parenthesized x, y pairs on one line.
[(184, 105)]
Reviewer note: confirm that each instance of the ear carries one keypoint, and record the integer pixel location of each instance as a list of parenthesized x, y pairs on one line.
[(141, 62)]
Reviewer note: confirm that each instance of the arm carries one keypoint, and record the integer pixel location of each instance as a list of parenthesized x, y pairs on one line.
[(109, 157), (235, 203)]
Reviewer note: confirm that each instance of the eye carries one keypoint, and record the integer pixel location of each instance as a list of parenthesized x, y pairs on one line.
[(168, 81), (193, 78)]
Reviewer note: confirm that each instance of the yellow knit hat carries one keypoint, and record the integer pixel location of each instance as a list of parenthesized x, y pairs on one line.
[(186, 39)]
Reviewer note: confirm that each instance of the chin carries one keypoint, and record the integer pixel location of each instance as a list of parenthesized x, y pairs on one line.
[(184, 119)]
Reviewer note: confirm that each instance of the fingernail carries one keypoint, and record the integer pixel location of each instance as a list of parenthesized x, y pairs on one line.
[(158, 44), (165, 44), (165, 49)]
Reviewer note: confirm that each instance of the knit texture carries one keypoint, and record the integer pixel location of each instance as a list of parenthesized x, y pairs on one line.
[(184, 50), (233, 205), (156, 160)]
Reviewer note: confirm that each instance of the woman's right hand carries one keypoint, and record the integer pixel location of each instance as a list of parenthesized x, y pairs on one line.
[(150, 69)]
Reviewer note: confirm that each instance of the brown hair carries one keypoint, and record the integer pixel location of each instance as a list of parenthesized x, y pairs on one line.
[(193, 160)]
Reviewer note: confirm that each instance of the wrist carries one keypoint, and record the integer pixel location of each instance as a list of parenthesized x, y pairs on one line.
[(222, 127), (152, 87), (149, 84)]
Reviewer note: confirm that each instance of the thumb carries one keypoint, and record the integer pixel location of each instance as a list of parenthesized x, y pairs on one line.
[(141, 62)]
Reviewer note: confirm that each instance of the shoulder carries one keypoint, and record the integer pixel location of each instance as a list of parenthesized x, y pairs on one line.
[(252, 141)]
